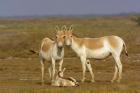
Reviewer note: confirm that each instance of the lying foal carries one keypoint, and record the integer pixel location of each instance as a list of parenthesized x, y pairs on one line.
[(61, 81)]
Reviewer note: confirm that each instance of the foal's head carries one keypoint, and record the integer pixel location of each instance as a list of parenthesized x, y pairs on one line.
[(60, 36), (61, 73)]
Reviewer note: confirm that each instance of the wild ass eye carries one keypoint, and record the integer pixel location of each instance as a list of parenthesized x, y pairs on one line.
[(63, 36), (71, 36)]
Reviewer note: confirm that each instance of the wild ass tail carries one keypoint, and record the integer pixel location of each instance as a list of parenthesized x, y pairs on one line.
[(125, 48), (34, 52)]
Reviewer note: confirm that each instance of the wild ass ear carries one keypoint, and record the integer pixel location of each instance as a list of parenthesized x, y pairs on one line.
[(64, 28), (71, 28), (57, 28)]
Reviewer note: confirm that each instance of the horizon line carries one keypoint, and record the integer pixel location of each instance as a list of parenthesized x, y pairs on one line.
[(70, 15)]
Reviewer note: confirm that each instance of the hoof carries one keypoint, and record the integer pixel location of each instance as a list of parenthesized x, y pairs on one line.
[(83, 80), (42, 83), (118, 81), (112, 81), (92, 81)]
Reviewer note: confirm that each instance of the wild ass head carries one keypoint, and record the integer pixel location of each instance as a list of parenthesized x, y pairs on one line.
[(60, 36), (68, 36)]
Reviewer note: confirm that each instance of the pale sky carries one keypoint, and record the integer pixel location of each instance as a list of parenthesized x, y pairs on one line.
[(66, 7)]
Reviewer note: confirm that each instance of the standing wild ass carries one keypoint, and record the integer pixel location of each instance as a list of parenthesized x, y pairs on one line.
[(51, 51), (98, 48)]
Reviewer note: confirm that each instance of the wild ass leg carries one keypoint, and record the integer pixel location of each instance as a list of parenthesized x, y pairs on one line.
[(83, 61), (119, 65), (42, 70), (53, 69), (120, 70), (115, 73), (60, 65), (90, 70), (50, 71)]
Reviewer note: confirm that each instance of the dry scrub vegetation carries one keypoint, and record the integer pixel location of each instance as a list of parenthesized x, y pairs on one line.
[(20, 71)]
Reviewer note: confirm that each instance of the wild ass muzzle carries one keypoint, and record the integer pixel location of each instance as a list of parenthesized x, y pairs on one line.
[(61, 81), (52, 51), (97, 48)]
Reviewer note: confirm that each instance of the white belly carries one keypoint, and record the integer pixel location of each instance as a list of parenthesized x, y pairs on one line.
[(49, 55), (98, 53), (46, 56)]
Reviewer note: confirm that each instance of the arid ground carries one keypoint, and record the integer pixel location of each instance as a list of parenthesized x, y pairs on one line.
[(20, 69)]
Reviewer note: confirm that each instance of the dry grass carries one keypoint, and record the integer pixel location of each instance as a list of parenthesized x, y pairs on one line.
[(22, 35), (22, 75), (20, 71)]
